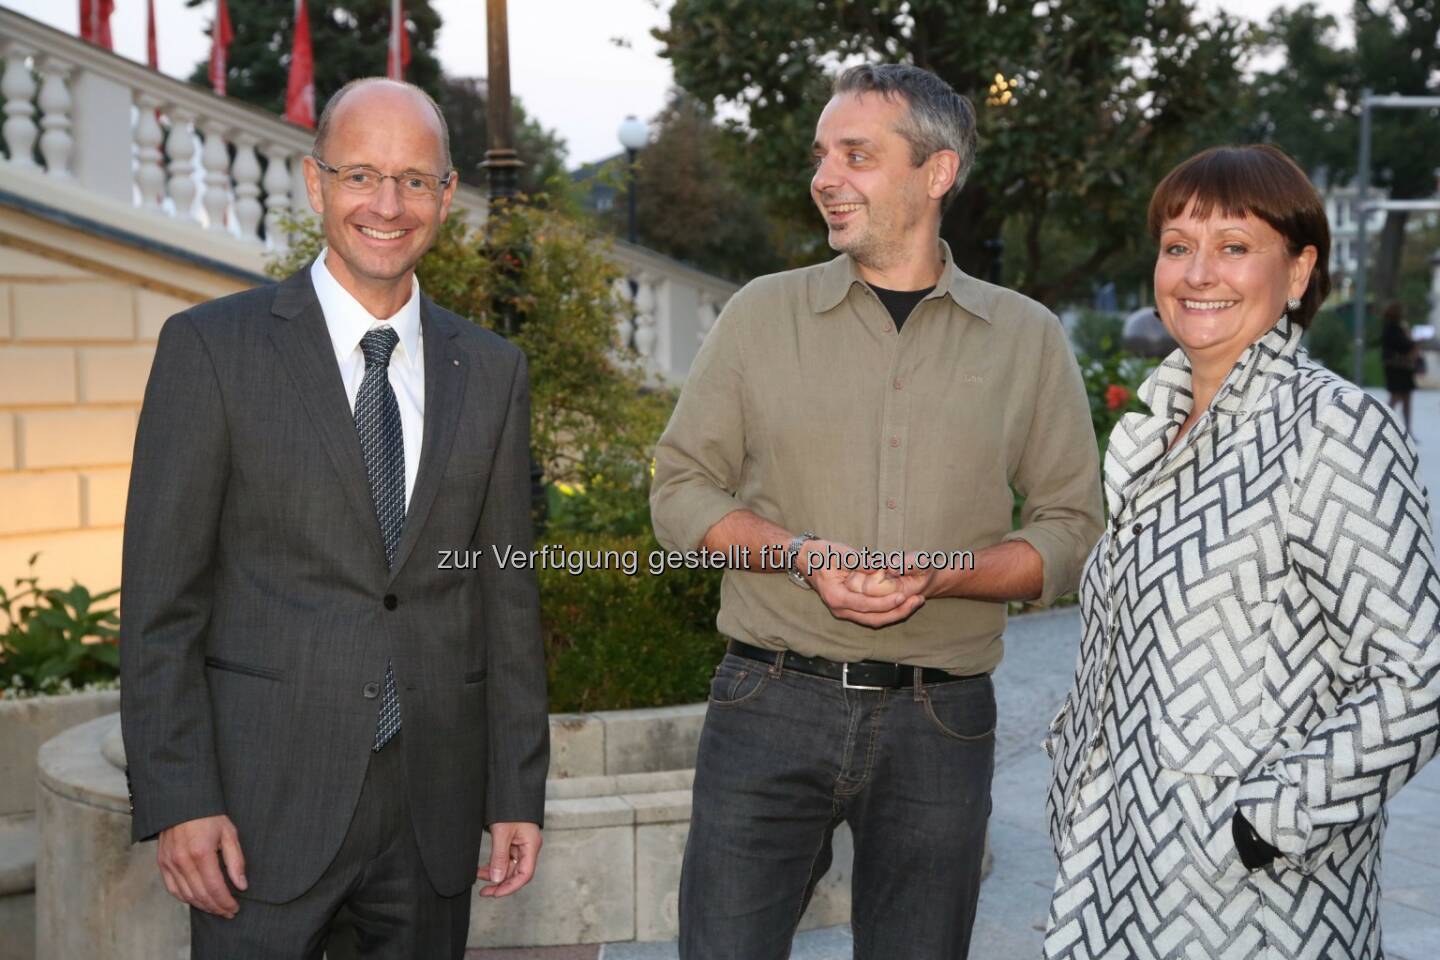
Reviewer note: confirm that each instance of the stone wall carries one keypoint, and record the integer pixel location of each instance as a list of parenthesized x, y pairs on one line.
[(79, 316)]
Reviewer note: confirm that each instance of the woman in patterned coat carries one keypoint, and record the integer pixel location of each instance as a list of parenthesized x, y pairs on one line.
[(1259, 670)]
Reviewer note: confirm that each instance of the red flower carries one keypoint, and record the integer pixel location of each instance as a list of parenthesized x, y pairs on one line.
[(1116, 396)]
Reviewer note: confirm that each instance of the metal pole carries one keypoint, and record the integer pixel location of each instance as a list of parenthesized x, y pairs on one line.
[(1362, 182), (630, 179), (501, 162)]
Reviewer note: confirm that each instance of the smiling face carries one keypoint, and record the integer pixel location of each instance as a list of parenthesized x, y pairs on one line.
[(1221, 282), (377, 238), (874, 199)]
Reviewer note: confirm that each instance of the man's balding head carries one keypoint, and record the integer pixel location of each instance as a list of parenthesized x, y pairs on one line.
[(358, 99)]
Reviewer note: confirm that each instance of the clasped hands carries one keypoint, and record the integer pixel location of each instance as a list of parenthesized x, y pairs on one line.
[(870, 597)]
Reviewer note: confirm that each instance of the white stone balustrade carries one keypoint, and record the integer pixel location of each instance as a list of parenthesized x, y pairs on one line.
[(171, 164), (671, 310)]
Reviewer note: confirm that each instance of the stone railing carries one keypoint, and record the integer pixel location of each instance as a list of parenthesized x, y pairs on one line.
[(99, 136), (673, 308), (106, 141)]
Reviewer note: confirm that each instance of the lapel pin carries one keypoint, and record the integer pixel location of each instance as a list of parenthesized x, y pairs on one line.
[(456, 362)]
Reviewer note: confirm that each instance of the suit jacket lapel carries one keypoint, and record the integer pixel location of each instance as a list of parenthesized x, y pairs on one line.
[(303, 342), (446, 370)]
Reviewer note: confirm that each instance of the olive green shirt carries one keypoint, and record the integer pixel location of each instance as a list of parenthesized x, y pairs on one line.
[(806, 407)]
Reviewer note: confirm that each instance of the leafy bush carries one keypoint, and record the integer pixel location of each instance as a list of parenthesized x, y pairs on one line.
[(1331, 340), (56, 640), (616, 640)]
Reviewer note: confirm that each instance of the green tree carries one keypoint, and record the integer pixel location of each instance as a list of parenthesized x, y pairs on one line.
[(1082, 106), (349, 37), (1310, 106), (690, 201)]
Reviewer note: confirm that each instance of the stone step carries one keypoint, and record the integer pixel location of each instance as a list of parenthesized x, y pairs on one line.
[(18, 842)]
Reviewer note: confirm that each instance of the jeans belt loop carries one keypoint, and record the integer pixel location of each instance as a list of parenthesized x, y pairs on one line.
[(845, 680), (920, 693), (779, 665)]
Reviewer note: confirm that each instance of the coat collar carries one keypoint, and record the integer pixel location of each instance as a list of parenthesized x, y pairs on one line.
[(1139, 441), (1268, 361), (839, 275)]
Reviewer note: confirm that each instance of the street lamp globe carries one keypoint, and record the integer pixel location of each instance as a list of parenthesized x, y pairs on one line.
[(634, 133)]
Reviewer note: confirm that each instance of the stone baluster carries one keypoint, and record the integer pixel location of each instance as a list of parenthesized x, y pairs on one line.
[(624, 320), (247, 187), (148, 136), (18, 87), (299, 196), (181, 147), (216, 158), (277, 195), (645, 303), (56, 142), (707, 315)]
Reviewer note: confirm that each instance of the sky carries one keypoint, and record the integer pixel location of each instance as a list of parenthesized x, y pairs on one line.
[(564, 66)]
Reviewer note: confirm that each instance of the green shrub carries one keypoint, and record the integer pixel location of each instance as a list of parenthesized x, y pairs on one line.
[(617, 641), (56, 640)]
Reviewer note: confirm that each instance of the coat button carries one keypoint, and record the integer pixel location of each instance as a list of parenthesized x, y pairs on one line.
[(371, 690), (1137, 528), (391, 601)]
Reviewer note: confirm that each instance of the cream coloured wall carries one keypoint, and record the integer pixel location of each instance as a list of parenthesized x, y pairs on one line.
[(79, 316)]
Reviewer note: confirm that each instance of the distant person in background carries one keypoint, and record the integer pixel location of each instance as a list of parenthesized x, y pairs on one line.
[(1401, 358)]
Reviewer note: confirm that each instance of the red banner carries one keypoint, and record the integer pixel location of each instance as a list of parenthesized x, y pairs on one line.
[(397, 56), (220, 37), (300, 92), (95, 22)]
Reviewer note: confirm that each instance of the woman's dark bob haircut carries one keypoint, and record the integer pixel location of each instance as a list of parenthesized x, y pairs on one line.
[(1256, 180)]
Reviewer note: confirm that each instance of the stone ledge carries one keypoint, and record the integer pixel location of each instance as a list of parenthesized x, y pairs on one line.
[(19, 841)]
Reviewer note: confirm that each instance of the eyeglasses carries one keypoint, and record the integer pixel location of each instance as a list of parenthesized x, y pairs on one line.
[(365, 179)]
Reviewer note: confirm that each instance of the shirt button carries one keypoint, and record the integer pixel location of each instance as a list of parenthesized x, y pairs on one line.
[(391, 601), (890, 504), (1137, 528), (894, 441), (371, 690), (898, 383)]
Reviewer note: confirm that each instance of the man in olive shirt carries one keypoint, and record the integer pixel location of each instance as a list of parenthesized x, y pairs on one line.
[(883, 402)]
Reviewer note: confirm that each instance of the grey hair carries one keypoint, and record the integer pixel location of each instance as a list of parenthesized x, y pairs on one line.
[(327, 116), (938, 118)]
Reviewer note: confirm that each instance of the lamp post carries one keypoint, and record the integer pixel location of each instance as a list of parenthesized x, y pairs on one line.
[(634, 135), (502, 164)]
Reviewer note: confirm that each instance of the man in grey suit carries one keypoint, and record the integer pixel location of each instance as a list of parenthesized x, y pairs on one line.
[(319, 722)]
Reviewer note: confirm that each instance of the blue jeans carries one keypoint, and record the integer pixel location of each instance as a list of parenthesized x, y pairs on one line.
[(784, 758)]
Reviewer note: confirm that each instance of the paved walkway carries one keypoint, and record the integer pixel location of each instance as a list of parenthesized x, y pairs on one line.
[(1030, 684)]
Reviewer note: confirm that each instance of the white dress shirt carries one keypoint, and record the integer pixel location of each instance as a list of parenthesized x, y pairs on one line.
[(348, 322)]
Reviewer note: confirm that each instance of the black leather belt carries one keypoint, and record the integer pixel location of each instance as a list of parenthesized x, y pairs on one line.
[(857, 675)]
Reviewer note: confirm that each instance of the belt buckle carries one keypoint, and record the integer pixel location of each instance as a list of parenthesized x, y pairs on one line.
[(845, 680)]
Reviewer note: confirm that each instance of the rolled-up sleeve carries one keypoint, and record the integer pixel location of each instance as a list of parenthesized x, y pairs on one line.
[(699, 457), (1059, 471)]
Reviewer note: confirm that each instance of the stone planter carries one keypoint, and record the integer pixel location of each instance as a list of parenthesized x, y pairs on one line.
[(24, 726), (617, 813)]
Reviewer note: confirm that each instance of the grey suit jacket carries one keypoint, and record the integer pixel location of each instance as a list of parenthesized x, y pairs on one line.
[(259, 612)]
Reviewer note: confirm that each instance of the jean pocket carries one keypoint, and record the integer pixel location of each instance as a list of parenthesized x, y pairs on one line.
[(962, 710), (737, 680)]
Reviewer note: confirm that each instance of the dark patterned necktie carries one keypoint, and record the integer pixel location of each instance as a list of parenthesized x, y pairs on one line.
[(377, 418)]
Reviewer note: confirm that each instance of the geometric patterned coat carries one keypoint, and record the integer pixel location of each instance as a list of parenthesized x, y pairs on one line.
[(1260, 634)]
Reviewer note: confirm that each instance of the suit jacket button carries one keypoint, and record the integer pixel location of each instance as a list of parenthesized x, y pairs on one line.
[(391, 601), (371, 690)]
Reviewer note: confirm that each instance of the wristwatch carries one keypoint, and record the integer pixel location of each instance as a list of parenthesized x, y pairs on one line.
[(793, 554)]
